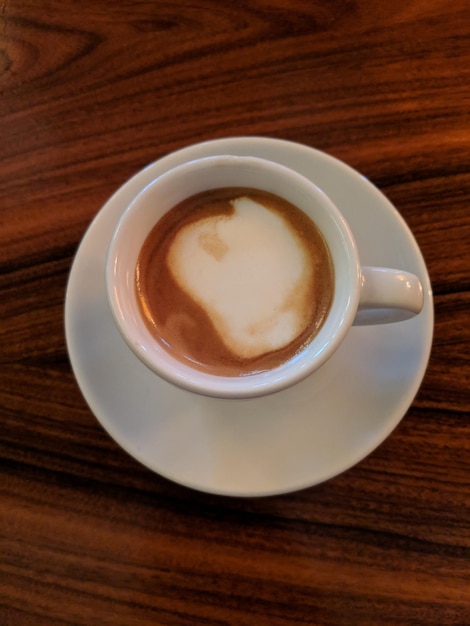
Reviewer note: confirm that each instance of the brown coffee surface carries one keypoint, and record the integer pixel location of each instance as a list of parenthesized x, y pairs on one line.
[(180, 281)]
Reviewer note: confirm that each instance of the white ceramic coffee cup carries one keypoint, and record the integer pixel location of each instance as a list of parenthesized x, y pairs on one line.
[(362, 295)]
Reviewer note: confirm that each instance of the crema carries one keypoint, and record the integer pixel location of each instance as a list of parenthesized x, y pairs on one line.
[(234, 281)]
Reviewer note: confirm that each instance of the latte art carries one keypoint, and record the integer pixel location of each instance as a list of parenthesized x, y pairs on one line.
[(234, 281), (250, 274)]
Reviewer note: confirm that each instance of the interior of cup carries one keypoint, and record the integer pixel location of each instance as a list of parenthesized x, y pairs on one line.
[(217, 172)]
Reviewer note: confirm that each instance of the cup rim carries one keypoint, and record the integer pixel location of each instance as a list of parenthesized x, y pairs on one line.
[(174, 371)]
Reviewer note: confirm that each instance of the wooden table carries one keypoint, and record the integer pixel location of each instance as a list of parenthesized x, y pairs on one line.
[(93, 91)]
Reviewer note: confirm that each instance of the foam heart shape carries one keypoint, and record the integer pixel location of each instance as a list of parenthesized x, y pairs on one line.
[(250, 272)]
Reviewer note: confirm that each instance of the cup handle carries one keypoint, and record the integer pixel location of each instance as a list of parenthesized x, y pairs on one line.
[(388, 295)]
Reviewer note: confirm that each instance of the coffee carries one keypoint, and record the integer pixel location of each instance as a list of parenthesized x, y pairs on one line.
[(234, 281)]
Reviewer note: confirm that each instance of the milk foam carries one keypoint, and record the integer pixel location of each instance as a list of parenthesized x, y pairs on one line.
[(250, 272)]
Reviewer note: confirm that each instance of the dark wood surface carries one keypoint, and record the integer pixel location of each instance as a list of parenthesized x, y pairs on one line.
[(90, 92)]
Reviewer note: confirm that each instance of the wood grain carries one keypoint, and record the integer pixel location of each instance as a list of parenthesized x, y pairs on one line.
[(91, 92)]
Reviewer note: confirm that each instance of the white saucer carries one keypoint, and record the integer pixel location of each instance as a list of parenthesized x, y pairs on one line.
[(282, 443)]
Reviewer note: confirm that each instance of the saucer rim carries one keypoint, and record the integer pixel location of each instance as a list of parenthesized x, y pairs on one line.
[(242, 143)]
